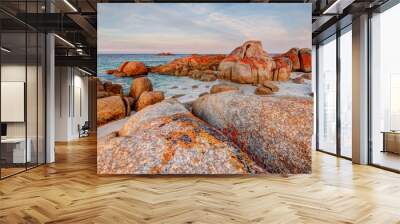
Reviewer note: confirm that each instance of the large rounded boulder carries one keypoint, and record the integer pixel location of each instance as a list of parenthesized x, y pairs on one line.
[(132, 68), (248, 63), (165, 138), (149, 98), (275, 131), (139, 86), (109, 109)]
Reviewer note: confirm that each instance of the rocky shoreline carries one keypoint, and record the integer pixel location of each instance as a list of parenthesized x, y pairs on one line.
[(223, 131)]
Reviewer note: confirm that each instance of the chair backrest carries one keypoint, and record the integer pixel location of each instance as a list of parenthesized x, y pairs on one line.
[(86, 125)]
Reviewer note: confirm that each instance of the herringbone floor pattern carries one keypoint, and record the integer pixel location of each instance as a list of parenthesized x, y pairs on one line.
[(69, 191)]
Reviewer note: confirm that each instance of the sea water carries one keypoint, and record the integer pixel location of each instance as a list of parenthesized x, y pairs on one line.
[(183, 89)]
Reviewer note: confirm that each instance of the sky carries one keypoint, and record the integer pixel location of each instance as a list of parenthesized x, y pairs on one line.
[(203, 28)]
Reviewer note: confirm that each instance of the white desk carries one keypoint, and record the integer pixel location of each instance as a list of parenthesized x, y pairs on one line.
[(18, 149)]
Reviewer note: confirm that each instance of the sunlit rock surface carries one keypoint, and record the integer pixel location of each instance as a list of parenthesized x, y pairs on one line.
[(274, 131), (165, 138)]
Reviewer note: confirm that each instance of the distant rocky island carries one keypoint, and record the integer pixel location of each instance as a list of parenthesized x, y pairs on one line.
[(222, 131), (165, 54)]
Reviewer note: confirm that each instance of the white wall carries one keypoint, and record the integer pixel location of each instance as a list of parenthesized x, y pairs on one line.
[(33, 127), (71, 102), (14, 72)]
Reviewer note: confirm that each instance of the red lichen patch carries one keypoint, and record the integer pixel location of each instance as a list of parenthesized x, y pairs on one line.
[(293, 55), (231, 58), (232, 134), (182, 66), (305, 59)]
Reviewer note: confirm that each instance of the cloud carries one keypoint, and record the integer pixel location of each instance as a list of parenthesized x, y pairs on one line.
[(200, 28)]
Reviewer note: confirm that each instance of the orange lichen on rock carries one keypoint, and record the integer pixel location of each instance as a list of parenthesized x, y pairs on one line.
[(248, 63), (293, 55), (183, 66), (133, 68), (305, 59), (274, 131), (165, 138)]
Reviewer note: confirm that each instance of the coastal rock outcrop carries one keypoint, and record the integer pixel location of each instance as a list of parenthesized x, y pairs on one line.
[(283, 69), (139, 86), (274, 131), (165, 54), (248, 63), (183, 66), (114, 89), (111, 71), (133, 68), (305, 59), (108, 89), (129, 69), (149, 98), (109, 109), (293, 55), (205, 76), (165, 138)]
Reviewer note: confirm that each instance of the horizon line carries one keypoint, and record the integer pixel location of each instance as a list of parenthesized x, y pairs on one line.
[(172, 54)]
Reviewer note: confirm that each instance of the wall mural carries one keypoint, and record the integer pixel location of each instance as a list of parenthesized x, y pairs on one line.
[(204, 88)]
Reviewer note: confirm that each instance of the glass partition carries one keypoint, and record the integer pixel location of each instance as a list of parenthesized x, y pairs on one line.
[(346, 92), (41, 97), (31, 98), (385, 90), (327, 95), (14, 155), (22, 77)]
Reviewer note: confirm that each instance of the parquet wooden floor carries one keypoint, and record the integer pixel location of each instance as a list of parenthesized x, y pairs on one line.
[(69, 191)]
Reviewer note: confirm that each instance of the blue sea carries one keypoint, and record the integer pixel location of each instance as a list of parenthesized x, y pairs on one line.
[(186, 87)]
